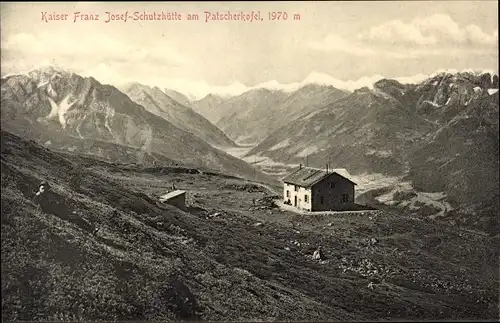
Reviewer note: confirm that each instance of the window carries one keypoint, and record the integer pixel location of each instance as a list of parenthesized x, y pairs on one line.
[(287, 193), (296, 188), (345, 198), (332, 185), (321, 199), (306, 199)]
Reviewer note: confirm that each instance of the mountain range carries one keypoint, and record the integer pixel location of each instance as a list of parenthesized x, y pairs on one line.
[(250, 117), (440, 134), (179, 97), (100, 246), (65, 111), (159, 103)]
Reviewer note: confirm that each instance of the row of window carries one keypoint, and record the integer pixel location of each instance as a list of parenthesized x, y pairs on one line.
[(345, 197)]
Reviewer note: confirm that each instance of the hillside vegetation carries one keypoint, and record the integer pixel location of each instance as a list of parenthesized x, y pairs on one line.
[(216, 262)]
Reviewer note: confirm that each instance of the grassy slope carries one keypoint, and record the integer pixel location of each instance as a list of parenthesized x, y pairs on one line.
[(148, 258)]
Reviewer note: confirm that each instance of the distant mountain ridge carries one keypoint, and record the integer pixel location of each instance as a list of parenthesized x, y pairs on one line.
[(253, 115), (67, 112), (242, 116), (158, 102), (210, 107), (178, 96), (198, 90)]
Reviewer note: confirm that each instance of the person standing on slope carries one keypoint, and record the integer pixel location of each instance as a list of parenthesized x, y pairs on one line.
[(52, 203)]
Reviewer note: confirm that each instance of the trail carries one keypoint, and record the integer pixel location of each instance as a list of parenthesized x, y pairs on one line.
[(267, 187)]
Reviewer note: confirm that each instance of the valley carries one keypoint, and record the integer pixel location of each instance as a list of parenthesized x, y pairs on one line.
[(264, 164), (334, 161), (424, 248), (402, 139)]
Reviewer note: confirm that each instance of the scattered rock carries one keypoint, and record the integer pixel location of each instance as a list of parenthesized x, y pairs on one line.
[(258, 224), (404, 195), (318, 254), (267, 202), (214, 215), (244, 187), (187, 241)]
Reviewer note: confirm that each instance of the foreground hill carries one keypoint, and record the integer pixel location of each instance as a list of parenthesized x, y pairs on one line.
[(225, 258), (67, 112), (181, 116)]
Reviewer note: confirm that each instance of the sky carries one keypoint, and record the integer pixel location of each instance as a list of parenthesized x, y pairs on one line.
[(347, 44)]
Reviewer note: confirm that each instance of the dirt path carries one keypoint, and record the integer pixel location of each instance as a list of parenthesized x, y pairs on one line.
[(269, 188)]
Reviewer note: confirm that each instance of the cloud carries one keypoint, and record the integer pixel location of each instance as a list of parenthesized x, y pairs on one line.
[(89, 47), (338, 44), (103, 73), (438, 29), (436, 35), (397, 31), (335, 43)]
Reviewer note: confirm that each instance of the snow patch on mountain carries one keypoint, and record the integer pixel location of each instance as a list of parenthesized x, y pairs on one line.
[(110, 113), (379, 153), (282, 144), (78, 127), (51, 92), (60, 110), (306, 152), (42, 83)]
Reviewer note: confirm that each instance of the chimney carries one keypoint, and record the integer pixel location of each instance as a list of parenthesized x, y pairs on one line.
[(327, 168), (300, 167)]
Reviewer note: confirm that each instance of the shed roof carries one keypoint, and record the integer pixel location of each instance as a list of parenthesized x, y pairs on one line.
[(172, 194), (308, 176)]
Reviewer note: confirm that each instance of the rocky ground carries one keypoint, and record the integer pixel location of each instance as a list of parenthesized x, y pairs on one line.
[(233, 255)]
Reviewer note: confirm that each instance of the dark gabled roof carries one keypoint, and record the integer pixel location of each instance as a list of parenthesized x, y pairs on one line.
[(308, 176)]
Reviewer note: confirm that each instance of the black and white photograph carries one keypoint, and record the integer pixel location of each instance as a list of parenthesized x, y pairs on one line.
[(321, 161)]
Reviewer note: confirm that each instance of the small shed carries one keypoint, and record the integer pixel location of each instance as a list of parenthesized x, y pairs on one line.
[(176, 198)]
